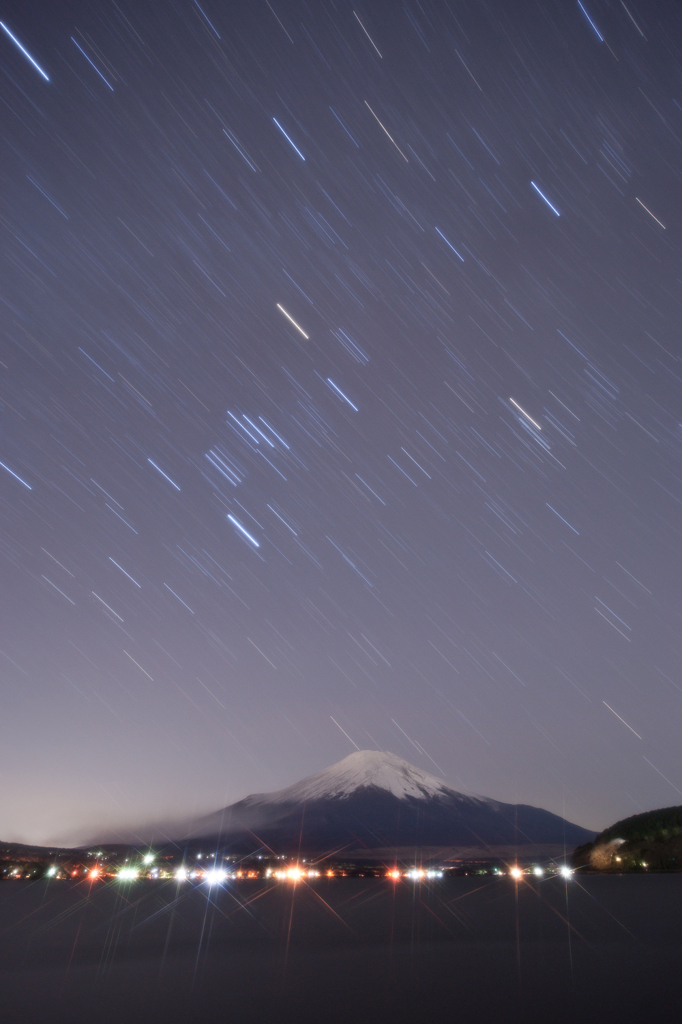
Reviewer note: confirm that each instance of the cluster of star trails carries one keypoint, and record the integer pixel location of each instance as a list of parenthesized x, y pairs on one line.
[(340, 389)]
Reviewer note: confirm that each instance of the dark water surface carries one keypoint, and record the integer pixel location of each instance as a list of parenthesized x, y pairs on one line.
[(460, 950)]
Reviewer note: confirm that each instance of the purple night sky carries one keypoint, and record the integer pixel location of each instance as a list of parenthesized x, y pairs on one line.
[(341, 389)]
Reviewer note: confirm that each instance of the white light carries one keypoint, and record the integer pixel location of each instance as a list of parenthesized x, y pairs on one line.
[(238, 525), (297, 326), (542, 194), (516, 873), (51, 872), (565, 871), (181, 874), (526, 415), (215, 876), (127, 874), (148, 858), (25, 53), (288, 140), (538, 871)]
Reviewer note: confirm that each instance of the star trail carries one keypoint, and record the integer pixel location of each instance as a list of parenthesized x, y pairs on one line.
[(341, 379)]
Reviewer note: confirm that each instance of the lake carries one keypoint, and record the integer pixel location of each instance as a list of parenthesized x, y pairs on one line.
[(454, 950)]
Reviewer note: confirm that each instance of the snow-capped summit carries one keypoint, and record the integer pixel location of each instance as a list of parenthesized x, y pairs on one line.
[(378, 769)]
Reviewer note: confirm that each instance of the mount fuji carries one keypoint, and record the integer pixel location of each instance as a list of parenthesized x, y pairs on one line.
[(374, 800)]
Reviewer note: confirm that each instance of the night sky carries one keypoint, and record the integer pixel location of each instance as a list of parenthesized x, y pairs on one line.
[(340, 399)]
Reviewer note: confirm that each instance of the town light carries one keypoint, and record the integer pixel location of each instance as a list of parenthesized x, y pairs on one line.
[(516, 873), (565, 871), (127, 874), (215, 876)]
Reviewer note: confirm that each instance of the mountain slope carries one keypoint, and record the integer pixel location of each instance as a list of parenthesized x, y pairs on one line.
[(373, 799)]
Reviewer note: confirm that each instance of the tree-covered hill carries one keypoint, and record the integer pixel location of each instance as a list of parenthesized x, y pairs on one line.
[(643, 842)]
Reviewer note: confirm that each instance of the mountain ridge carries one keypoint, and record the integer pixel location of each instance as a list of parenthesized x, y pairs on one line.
[(373, 799)]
